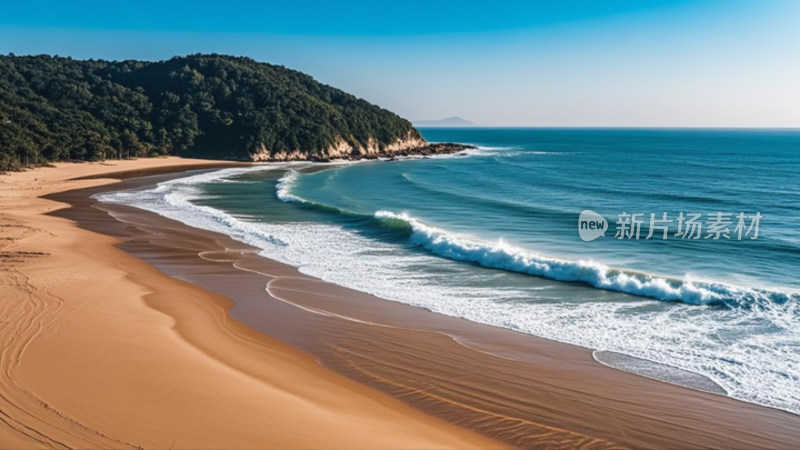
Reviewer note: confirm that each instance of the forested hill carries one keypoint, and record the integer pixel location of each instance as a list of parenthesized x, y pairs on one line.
[(211, 106)]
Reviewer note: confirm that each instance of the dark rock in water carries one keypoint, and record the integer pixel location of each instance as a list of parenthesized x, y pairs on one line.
[(423, 150), (433, 149)]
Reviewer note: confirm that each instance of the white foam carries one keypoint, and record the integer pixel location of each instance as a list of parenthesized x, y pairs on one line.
[(500, 255), (503, 152), (284, 187), (728, 345)]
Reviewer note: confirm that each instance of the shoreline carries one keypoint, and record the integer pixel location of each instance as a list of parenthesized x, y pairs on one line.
[(379, 343), (100, 349)]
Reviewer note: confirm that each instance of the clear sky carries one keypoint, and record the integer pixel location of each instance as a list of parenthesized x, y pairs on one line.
[(708, 63)]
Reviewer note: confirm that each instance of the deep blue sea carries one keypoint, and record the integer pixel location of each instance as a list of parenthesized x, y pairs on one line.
[(492, 235)]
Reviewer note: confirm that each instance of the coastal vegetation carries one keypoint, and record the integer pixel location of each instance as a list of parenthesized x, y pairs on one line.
[(207, 106)]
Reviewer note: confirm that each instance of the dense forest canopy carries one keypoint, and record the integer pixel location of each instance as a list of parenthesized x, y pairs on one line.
[(213, 106)]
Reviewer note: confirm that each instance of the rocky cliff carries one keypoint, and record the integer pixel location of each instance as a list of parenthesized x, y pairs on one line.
[(409, 145)]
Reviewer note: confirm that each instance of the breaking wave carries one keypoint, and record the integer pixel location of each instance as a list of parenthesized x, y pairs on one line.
[(501, 255)]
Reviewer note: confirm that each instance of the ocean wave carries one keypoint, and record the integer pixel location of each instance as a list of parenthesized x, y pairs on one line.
[(483, 150), (174, 199), (505, 152), (501, 255), (505, 204), (283, 189), (492, 148)]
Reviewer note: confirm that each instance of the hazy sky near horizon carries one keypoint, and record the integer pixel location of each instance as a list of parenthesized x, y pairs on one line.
[(661, 63)]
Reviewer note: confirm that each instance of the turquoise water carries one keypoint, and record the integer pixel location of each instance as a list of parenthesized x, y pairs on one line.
[(491, 235)]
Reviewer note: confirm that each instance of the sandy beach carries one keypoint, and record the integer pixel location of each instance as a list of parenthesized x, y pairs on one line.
[(123, 328), (100, 349)]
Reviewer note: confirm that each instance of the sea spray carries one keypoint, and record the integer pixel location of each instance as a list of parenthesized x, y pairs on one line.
[(500, 255)]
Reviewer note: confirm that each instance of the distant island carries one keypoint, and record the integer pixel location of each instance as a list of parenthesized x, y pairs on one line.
[(205, 106), (454, 121)]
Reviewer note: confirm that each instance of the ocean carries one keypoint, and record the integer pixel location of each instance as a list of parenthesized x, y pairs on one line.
[(696, 270)]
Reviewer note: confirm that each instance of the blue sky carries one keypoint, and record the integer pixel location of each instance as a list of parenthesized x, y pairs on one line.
[(540, 63)]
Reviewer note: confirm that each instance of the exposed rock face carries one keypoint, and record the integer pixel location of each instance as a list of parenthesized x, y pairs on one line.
[(432, 149), (341, 149)]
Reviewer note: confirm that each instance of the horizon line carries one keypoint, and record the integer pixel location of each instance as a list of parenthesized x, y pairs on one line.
[(614, 127)]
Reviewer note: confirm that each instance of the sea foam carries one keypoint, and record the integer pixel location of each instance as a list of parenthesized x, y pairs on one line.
[(501, 255)]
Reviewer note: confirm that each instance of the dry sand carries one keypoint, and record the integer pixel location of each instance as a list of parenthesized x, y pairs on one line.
[(100, 349)]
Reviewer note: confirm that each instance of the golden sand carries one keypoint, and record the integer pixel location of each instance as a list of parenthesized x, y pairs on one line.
[(87, 362)]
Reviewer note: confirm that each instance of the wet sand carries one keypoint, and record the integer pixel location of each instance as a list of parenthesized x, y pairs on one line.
[(99, 349), (515, 388)]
